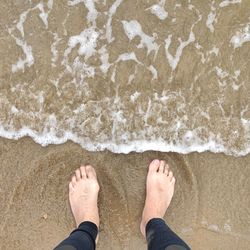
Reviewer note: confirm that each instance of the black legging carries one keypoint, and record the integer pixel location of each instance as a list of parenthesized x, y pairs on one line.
[(159, 237)]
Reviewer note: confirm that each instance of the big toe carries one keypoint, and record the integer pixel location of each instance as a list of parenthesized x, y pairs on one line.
[(90, 172), (154, 166)]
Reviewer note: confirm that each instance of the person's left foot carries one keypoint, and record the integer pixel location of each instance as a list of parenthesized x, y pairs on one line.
[(159, 192), (83, 195)]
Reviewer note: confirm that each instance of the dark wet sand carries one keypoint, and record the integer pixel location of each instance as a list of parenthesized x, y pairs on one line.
[(210, 208)]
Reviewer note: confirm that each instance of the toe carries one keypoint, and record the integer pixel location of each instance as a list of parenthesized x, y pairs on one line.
[(161, 167), (170, 175), (154, 166), (173, 180), (166, 169), (73, 180), (90, 172), (78, 174), (71, 187), (83, 172)]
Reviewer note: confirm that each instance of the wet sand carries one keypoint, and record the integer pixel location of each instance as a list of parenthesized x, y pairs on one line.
[(210, 208)]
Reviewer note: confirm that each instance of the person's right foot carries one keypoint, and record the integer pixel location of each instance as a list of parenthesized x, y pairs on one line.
[(83, 194), (159, 192)]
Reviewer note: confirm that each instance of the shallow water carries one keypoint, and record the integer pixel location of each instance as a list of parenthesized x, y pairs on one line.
[(127, 76)]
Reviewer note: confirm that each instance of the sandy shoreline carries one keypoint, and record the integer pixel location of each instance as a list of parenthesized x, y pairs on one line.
[(210, 209), (111, 73)]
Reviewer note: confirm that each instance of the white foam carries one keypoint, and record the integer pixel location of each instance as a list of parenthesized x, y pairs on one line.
[(221, 73), (241, 37), (188, 135), (111, 12), (214, 50), (213, 227), (40, 98), (131, 78), (118, 142), (104, 57), (90, 6), (227, 227), (21, 21), (75, 2), (14, 110), (85, 69), (50, 4), (87, 41), (174, 60), (226, 78), (159, 11), (154, 72), (49, 137), (127, 57), (228, 2), (113, 75), (133, 29), (54, 50), (28, 60), (43, 15), (27, 49), (135, 96), (211, 18)]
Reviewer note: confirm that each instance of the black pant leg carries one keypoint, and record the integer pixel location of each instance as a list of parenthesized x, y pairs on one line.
[(161, 237), (83, 238)]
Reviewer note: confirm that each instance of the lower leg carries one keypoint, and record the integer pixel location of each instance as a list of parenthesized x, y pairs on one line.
[(159, 193)]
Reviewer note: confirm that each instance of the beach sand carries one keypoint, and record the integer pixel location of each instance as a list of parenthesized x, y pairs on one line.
[(210, 208)]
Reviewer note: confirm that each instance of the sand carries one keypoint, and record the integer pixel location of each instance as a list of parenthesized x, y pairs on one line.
[(210, 208)]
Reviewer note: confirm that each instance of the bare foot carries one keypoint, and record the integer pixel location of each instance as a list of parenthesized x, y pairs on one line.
[(83, 194), (159, 192)]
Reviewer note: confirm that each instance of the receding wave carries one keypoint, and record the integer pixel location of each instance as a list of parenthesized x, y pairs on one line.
[(165, 76)]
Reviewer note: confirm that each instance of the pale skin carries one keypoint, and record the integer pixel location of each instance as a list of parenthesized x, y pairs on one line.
[(84, 189)]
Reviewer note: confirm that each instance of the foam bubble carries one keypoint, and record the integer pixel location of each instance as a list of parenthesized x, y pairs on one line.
[(87, 41), (211, 18), (133, 29), (20, 41), (54, 50), (111, 12), (135, 96), (241, 37), (43, 15), (174, 60), (104, 57), (159, 11), (228, 2), (28, 60), (153, 70), (50, 137), (128, 57)]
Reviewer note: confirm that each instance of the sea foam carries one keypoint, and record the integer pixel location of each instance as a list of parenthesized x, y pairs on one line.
[(213, 144)]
